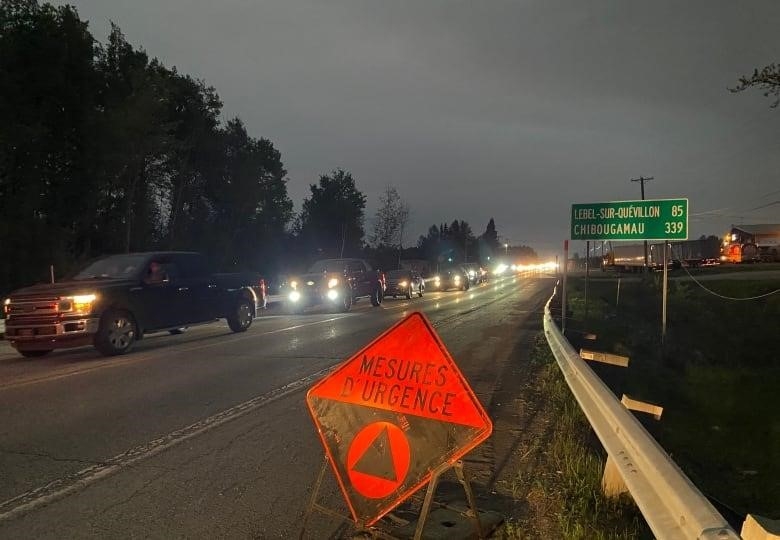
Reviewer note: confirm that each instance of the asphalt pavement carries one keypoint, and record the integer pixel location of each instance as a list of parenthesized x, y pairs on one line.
[(206, 434)]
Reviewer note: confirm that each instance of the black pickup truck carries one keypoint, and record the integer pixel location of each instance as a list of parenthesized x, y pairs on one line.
[(116, 300), (336, 283)]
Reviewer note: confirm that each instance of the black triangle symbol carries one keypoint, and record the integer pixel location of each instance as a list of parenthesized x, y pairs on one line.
[(377, 460)]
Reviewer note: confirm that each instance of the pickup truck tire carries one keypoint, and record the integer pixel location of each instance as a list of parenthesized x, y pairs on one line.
[(34, 354), (117, 333), (346, 301), (241, 318), (376, 296)]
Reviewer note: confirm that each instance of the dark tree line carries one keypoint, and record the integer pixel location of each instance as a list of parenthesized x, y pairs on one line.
[(105, 150), (455, 242)]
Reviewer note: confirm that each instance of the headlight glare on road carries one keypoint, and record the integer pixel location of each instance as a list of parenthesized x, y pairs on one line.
[(332, 283), (295, 296), (333, 294)]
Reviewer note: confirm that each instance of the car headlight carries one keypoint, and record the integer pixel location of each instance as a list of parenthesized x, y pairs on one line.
[(332, 283), (295, 296), (293, 284), (80, 304), (403, 284), (333, 294), (457, 278), (7, 306)]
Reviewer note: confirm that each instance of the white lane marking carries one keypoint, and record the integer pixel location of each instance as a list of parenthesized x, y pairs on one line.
[(61, 487), (147, 355)]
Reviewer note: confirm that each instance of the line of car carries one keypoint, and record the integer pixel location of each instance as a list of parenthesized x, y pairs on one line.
[(338, 283), (117, 300)]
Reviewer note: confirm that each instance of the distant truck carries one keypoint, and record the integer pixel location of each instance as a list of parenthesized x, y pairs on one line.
[(752, 243), (631, 257), (693, 253), (336, 283), (117, 300)]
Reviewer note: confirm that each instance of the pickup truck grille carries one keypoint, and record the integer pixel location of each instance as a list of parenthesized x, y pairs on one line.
[(34, 309)]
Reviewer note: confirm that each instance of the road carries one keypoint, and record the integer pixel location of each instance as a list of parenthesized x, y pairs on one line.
[(207, 434)]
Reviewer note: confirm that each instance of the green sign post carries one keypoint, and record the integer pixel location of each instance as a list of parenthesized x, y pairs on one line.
[(660, 219)]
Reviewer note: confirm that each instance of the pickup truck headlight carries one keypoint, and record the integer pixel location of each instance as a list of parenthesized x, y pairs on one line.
[(80, 304), (333, 282), (295, 296), (403, 284)]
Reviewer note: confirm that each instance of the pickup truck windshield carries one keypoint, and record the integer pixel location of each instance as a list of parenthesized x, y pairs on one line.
[(114, 267), (327, 266)]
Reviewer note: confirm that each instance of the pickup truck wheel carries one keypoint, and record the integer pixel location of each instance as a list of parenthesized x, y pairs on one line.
[(241, 318), (34, 354), (346, 301), (376, 297), (116, 334)]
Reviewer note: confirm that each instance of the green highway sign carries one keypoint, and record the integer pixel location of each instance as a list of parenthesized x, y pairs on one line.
[(660, 219)]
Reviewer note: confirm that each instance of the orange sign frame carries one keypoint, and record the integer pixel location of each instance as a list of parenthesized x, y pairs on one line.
[(404, 382)]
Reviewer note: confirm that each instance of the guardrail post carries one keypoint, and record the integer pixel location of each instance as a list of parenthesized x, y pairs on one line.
[(760, 528), (612, 483)]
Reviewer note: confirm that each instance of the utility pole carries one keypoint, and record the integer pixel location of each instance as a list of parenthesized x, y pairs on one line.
[(642, 180)]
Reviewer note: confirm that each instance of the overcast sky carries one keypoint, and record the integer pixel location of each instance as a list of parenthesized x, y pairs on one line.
[(510, 109)]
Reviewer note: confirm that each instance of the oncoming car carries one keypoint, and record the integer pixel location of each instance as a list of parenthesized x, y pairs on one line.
[(404, 283), (335, 283), (450, 278)]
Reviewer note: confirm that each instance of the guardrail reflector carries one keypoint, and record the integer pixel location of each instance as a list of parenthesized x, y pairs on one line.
[(604, 358), (642, 406)]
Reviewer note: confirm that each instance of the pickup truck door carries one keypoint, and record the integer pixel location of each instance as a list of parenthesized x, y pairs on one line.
[(164, 297), (203, 295), (362, 279)]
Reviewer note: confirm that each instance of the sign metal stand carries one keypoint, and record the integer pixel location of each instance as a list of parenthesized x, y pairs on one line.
[(425, 510)]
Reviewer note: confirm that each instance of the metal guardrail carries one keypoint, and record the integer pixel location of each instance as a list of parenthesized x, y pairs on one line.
[(671, 504)]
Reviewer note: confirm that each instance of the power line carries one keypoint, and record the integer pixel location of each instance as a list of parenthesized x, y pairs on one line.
[(735, 299)]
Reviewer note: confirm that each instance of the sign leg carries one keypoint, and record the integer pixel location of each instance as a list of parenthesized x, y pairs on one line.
[(313, 501), (426, 507), (315, 506), (464, 480)]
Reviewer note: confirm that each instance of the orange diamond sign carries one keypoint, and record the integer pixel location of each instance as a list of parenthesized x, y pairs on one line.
[(394, 413)]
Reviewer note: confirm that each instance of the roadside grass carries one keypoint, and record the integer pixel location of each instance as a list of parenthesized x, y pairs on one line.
[(716, 376), (575, 463)]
